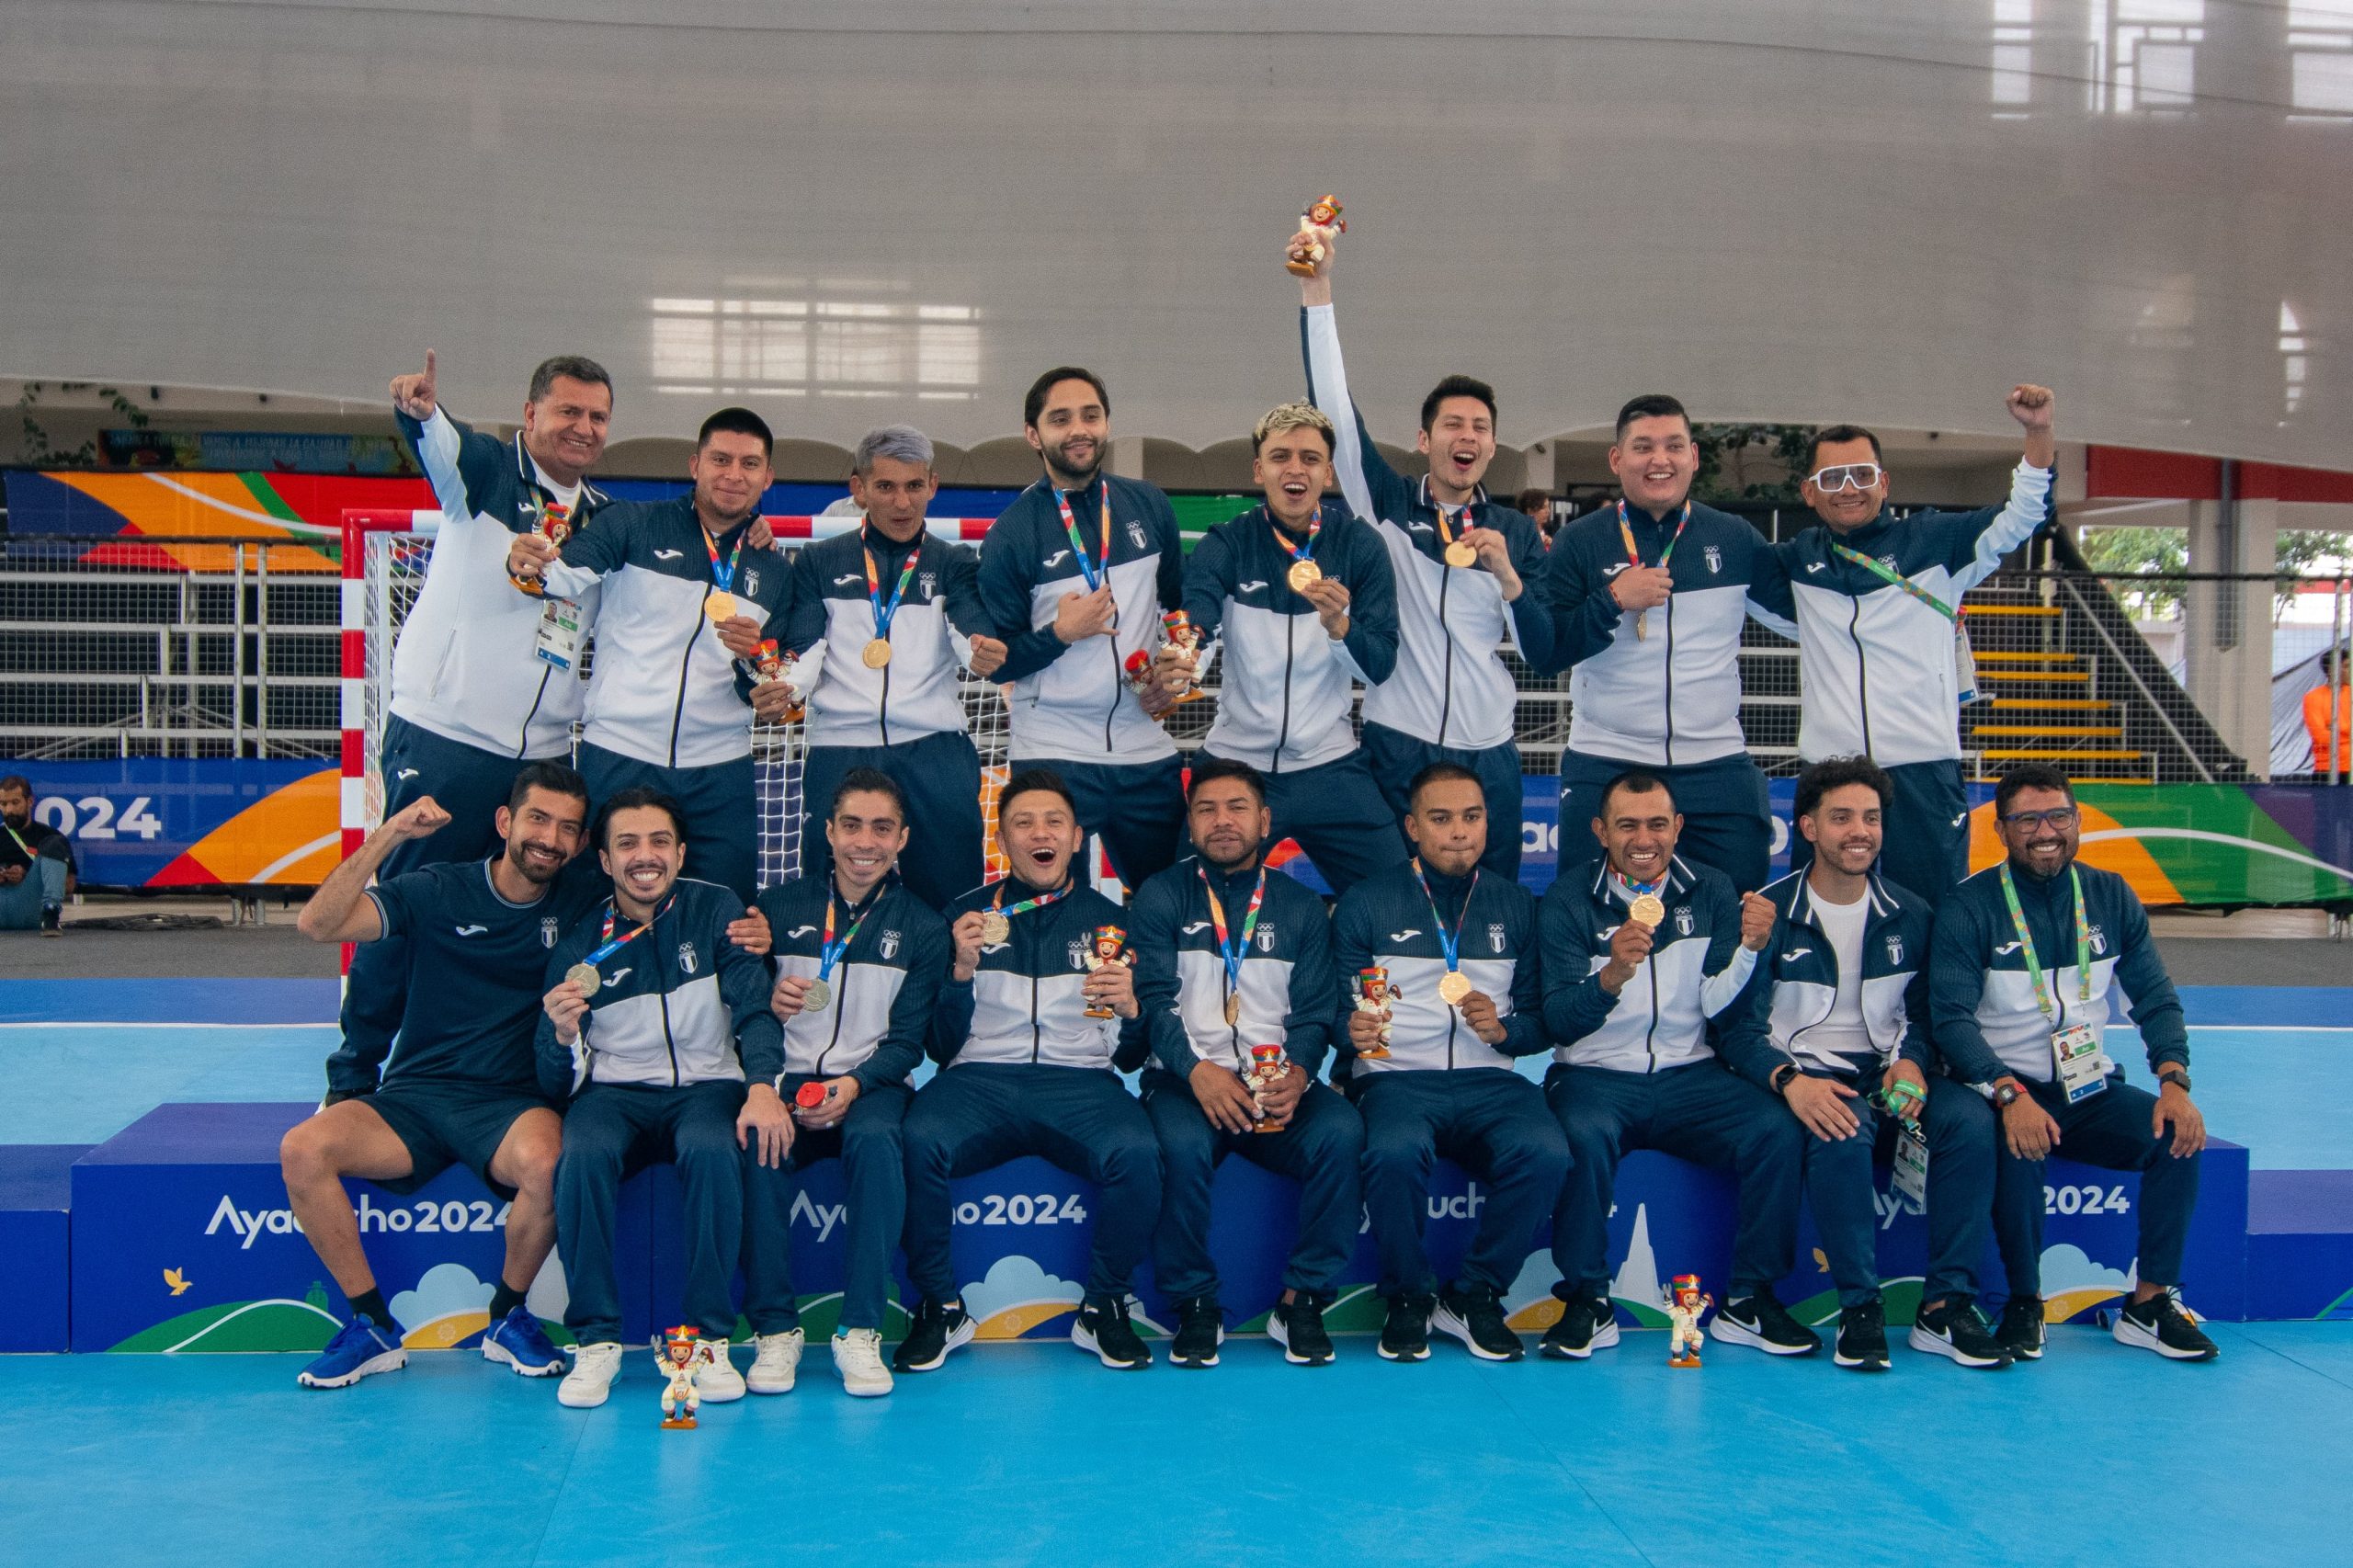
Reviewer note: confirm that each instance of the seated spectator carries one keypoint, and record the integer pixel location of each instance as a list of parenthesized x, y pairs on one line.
[(36, 864)]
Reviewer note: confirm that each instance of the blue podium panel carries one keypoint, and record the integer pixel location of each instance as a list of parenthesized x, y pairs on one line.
[(182, 1241), (2300, 1245), (35, 1187)]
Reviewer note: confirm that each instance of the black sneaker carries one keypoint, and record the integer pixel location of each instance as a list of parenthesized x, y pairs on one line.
[(1587, 1324), (1103, 1328), (1298, 1326), (52, 918), (2161, 1324), (1473, 1314), (1406, 1336), (1862, 1337), (1956, 1331), (2021, 1328), (1200, 1329), (1762, 1322), (935, 1332)]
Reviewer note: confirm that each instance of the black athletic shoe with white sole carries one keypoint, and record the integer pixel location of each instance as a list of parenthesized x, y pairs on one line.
[(1103, 1328), (1298, 1326), (934, 1331), (1474, 1314), (1955, 1331), (1862, 1337), (1762, 1322), (1405, 1336), (2021, 1331), (1586, 1323), (2160, 1324), (1200, 1329)]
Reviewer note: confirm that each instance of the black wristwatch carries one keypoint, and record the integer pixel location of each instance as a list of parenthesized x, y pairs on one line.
[(2006, 1094), (2178, 1075), (1782, 1077)]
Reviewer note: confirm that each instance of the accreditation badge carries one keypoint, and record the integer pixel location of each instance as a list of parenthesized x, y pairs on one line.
[(1911, 1169), (2082, 1065), (561, 633)]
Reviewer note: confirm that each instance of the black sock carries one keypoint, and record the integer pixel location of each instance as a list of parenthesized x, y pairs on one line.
[(503, 1299), (369, 1303)]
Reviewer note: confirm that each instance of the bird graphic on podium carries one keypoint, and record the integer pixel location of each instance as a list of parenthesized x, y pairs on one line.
[(176, 1280)]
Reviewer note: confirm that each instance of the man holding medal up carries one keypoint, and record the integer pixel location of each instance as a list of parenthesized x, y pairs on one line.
[(1466, 570), (859, 961), (1458, 948), (880, 619), (658, 1032), (1025, 1033), (1650, 595), (2028, 957), (1645, 955), (664, 712), (1303, 595), (1234, 973)]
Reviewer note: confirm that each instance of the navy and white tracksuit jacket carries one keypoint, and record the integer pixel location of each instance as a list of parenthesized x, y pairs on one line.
[(1023, 1004), (1795, 985), (1285, 698), (1385, 921), (464, 664), (1072, 702), (885, 984), (1286, 979), (1876, 665), (677, 1005), (1450, 686), (665, 690), (1671, 697), (832, 621), (1678, 1006)]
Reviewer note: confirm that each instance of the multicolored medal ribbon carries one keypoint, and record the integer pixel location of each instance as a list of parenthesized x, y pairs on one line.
[(1096, 572), (829, 953), (720, 603), (878, 651), (1458, 552), (997, 924), (1634, 556), (1453, 989), (1303, 570), (584, 974), (1231, 952)]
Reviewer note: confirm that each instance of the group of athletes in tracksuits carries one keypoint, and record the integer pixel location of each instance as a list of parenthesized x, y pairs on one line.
[(566, 971)]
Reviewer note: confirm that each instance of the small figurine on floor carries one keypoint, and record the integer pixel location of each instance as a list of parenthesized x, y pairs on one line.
[(682, 1361), (1684, 1303)]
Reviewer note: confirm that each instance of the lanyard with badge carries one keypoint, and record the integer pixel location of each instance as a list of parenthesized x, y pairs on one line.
[(1303, 570), (1964, 657), (1634, 555), (1455, 985), (829, 953), (1232, 952), (1087, 563), (2082, 1066), (561, 627), (878, 648), (584, 974)]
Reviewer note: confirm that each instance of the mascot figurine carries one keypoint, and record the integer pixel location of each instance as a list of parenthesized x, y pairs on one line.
[(1684, 1306)]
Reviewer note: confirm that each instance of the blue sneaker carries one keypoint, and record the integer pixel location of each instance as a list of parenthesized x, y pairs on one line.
[(358, 1349), (519, 1341)]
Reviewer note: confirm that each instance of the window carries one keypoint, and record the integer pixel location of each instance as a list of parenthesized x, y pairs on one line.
[(831, 348)]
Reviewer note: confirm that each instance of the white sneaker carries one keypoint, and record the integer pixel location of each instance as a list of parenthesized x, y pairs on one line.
[(858, 1357), (720, 1382), (590, 1381), (778, 1363)]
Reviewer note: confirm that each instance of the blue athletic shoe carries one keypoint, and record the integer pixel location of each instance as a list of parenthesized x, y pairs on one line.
[(358, 1349), (519, 1341)]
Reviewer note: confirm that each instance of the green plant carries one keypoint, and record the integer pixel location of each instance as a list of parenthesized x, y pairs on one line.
[(1735, 459), (39, 452)]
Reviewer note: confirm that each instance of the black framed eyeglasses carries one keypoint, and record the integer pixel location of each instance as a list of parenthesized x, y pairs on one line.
[(2058, 816)]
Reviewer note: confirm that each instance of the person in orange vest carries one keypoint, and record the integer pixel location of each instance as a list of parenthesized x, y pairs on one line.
[(2317, 703)]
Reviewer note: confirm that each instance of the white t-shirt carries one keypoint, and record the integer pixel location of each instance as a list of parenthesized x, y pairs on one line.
[(1844, 1030)]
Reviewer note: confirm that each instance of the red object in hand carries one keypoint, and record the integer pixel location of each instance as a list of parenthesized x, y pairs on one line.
[(809, 1097)]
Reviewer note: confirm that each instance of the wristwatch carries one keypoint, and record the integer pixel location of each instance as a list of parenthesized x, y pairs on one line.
[(2006, 1094), (1782, 1077), (2178, 1075)]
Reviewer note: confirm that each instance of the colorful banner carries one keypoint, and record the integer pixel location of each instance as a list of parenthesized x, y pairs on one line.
[(162, 823), (264, 451)]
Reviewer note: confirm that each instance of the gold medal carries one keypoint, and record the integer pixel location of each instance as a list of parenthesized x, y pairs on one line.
[(1454, 988), (1642, 624), (1461, 555), (877, 655), (817, 998), (994, 929), (1233, 1008), (719, 604), (1302, 573), (1646, 911), (584, 978)]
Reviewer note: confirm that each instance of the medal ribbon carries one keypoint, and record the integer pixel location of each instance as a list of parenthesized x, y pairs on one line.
[(1450, 944), (1301, 552), (1634, 890), (829, 951), (997, 903), (1232, 953), (2025, 944), (612, 944), (1879, 568), (1626, 532), (1446, 536), (724, 576), (1087, 563), (884, 613)]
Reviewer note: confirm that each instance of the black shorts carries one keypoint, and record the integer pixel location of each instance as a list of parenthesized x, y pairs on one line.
[(447, 1124)]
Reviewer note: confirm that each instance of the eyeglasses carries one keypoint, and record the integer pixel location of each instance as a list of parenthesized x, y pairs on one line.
[(2058, 817), (1860, 476)]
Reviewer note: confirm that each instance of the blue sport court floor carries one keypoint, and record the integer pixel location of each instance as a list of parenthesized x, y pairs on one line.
[(1033, 1453)]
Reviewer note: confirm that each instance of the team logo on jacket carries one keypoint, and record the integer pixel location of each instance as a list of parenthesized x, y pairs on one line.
[(2099, 940), (890, 943), (751, 581), (1496, 938), (1889, 561), (1715, 560), (546, 931), (1683, 920), (1135, 533), (1078, 955), (926, 584), (1895, 949), (1266, 938), (686, 956)]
